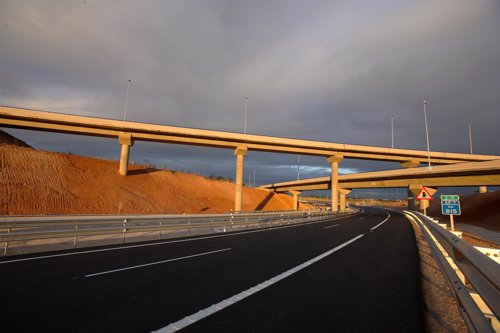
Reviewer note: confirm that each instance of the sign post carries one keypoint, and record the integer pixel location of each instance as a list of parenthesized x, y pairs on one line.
[(426, 195), (450, 205)]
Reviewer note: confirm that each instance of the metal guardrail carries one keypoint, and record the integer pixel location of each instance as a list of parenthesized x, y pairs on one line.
[(15, 229), (479, 270)]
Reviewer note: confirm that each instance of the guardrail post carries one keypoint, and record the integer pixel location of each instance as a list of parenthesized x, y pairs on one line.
[(189, 227), (6, 243), (212, 224), (124, 230), (76, 235)]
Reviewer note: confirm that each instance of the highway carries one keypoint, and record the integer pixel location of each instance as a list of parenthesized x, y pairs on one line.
[(351, 274)]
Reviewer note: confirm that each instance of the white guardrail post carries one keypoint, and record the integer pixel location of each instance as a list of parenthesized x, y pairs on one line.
[(7, 242), (124, 230), (76, 235)]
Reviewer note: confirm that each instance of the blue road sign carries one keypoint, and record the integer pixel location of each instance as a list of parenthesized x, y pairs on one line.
[(450, 207)]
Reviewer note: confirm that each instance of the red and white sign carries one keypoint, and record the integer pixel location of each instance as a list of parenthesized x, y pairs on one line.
[(424, 194)]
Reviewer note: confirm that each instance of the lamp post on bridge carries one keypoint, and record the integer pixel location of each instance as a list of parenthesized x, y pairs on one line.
[(470, 138), (126, 101), (482, 189), (392, 131), (246, 109), (427, 136)]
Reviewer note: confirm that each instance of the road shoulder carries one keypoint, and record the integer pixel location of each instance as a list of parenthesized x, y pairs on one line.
[(441, 312)]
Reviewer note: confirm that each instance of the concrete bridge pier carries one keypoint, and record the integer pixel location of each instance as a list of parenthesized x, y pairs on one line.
[(412, 195), (240, 153), (334, 161), (483, 189), (126, 141), (413, 189), (343, 193), (296, 199)]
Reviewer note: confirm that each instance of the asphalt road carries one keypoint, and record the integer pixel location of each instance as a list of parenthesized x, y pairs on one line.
[(353, 274)]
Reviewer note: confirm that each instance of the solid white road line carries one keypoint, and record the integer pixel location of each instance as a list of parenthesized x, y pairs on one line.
[(157, 262), (171, 241), (378, 225), (331, 226), (244, 294)]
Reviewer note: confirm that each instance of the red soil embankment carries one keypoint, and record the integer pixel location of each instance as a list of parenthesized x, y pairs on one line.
[(36, 182)]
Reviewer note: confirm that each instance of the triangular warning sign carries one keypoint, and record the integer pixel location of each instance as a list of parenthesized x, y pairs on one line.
[(424, 194)]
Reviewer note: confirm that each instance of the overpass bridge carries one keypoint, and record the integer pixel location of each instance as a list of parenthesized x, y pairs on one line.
[(127, 132), (464, 174)]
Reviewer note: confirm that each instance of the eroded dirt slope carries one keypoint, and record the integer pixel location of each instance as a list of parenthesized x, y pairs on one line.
[(38, 182)]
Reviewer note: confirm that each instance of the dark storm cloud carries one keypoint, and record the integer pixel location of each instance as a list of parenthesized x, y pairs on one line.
[(321, 70)]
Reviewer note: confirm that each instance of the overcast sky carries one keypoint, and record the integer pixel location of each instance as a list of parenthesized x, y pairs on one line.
[(322, 70)]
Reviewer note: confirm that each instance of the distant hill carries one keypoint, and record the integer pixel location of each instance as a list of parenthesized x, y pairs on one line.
[(36, 182)]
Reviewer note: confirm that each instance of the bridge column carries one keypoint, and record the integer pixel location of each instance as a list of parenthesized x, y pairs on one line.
[(240, 153), (343, 193), (126, 141), (334, 161), (295, 199), (483, 189), (413, 191)]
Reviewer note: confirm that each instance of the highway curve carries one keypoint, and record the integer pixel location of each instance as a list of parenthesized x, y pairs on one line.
[(351, 274)]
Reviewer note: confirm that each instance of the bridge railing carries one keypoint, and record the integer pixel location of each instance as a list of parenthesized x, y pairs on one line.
[(456, 257), (14, 230)]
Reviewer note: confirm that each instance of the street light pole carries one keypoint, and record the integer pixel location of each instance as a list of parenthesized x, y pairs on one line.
[(427, 136), (392, 131), (126, 101), (246, 109), (470, 138)]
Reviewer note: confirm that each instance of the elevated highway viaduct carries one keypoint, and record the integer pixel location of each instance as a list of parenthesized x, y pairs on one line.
[(464, 174), (127, 132)]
